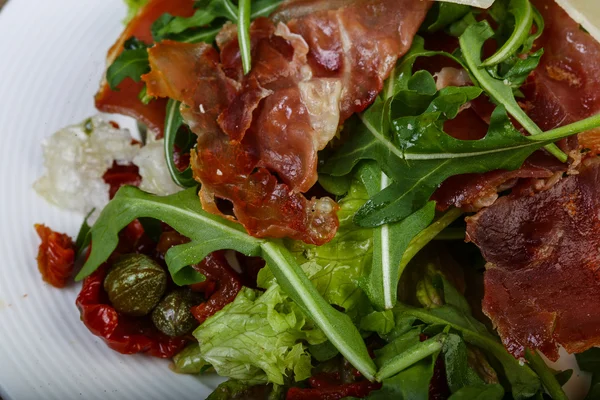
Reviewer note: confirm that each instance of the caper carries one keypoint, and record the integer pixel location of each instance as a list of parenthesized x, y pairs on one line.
[(172, 316), (135, 284)]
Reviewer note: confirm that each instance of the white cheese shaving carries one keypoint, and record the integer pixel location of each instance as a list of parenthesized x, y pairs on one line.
[(473, 3), (584, 12)]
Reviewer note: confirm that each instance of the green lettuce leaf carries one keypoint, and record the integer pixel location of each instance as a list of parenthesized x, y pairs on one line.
[(337, 267), (259, 338)]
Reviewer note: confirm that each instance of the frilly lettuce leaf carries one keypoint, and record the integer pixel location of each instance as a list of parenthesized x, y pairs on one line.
[(259, 338), (335, 268)]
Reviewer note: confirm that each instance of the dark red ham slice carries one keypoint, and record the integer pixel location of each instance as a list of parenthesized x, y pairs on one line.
[(542, 283), (565, 87)]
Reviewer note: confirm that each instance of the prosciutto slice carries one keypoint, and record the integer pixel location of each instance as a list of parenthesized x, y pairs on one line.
[(565, 87), (542, 280), (259, 134), (124, 100)]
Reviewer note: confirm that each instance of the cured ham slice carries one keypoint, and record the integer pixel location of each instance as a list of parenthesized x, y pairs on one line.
[(542, 281), (259, 134), (565, 87), (472, 192), (124, 100)]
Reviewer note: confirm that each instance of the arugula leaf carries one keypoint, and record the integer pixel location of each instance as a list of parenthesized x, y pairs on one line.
[(83, 236), (410, 384), (420, 156), (458, 371), (337, 185), (184, 213), (167, 26), (594, 392), (479, 392), (563, 377), (131, 63), (207, 21), (523, 13), (323, 352), (459, 27), (524, 382), (381, 322), (209, 233), (133, 6), (443, 14), (589, 361), (514, 72), (173, 122), (390, 242), (410, 356), (399, 345), (264, 8), (258, 338), (471, 44)]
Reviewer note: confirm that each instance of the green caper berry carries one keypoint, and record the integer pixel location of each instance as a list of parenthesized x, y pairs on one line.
[(172, 316), (135, 284)]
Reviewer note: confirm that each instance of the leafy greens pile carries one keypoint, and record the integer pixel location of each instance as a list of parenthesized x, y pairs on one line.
[(317, 303)]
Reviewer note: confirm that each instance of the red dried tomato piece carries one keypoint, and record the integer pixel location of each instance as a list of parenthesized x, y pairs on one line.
[(127, 335), (355, 389), (228, 284), (56, 256), (120, 175)]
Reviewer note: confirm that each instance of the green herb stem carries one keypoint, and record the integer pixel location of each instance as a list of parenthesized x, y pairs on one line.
[(411, 356), (548, 379), (451, 234), (427, 235), (571, 129), (173, 122), (523, 12), (244, 34)]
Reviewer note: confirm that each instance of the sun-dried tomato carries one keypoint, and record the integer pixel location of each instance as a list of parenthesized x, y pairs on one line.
[(346, 381), (127, 335), (56, 256), (119, 175), (228, 284), (355, 389)]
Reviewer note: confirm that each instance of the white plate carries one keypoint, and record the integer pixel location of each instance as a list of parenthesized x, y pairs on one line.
[(51, 60)]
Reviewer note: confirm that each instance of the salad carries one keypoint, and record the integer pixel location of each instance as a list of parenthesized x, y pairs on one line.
[(340, 199)]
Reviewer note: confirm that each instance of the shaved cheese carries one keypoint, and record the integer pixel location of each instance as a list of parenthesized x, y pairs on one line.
[(584, 12), (473, 3)]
